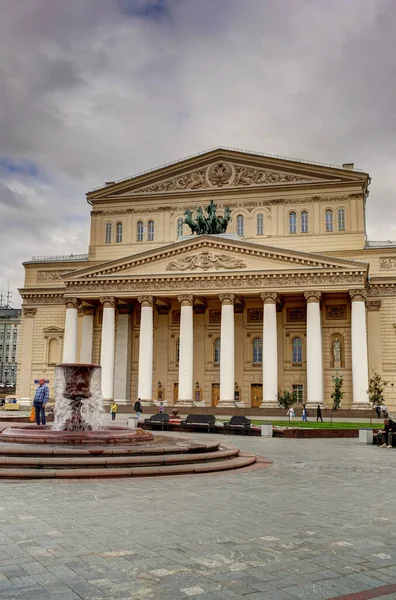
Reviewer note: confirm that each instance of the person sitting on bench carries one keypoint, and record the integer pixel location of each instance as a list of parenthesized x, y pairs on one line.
[(385, 436)]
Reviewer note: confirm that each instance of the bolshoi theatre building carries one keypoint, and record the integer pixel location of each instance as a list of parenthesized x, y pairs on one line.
[(220, 280)]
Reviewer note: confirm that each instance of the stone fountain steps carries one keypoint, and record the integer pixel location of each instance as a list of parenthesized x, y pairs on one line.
[(207, 465), (9, 448)]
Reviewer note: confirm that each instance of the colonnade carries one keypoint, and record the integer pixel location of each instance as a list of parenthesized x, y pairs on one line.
[(115, 351)]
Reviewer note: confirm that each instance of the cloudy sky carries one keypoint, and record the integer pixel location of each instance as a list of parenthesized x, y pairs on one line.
[(95, 90)]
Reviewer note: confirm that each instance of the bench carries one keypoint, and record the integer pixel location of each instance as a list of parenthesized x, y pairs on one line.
[(195, 421), (11, 406), (160, 419), (238, 424)]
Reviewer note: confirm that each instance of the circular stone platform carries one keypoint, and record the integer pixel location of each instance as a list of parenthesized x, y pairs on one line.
[(40, 452)]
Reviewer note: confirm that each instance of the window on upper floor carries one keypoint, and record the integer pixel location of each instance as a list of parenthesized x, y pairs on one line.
[(180, 222), (329, 219), (292, 222), (257, 350), (150, 231), (240, 225), (260, 224), (139, 227), (341, 219), (304, 221), (108, 233), (216, 351), (119, 232), (297, 350)]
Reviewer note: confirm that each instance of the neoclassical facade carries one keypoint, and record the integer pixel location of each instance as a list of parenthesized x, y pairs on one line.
[(291, 294)]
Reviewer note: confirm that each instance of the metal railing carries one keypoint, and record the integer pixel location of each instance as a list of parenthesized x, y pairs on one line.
[(59, 258)]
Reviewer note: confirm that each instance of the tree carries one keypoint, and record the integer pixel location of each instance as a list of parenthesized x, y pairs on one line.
[(376, 390), (286, 400), (337, 394)]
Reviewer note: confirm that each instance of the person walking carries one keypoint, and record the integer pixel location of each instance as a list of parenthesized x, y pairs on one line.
[(40, 400), (304, 414), (161, 407), (137, 407), (384, 411), (291, 413), (319, 414), (113, 410), (378, 411)]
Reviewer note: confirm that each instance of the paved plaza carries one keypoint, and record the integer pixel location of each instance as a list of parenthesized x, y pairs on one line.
[(319, 523)]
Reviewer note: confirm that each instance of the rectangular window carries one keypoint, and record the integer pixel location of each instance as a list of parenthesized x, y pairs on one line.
[(299, 390)]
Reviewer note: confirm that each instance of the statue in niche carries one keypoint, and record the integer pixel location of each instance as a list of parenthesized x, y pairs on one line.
[(337, 350)]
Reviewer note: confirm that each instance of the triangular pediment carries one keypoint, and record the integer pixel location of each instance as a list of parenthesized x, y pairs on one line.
[(212, 254), (54, 330), (223, 168)]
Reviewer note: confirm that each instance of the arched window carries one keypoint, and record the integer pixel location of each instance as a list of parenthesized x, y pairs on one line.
[(260, 224), (108, 233), (292, 222), (240, 225), (341, 219), (329, 219), (119, 232), (297, 350), (180, 222), (150, 231), (304, 221), (177, 350), (216, 351), (139, 231), (257, 350)]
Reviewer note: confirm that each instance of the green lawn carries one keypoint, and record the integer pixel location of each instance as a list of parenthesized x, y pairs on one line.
[(315, 425)]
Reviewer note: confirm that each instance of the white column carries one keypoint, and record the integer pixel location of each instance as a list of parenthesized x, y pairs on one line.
[(145, 382), (227, 351), (70, 336), (107, 347), (24, 379), (314, 349), (186, 353), (359, 350), (270, 352), (87, 335), (123, 352)]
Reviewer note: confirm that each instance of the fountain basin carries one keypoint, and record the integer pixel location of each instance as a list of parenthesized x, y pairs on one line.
[(44, 434)]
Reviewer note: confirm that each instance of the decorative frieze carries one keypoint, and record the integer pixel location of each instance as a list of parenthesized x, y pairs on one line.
[(205, 260), (255, 315), (214, 316), (296, 315), (388, 263), (46, 276), (336, 312)]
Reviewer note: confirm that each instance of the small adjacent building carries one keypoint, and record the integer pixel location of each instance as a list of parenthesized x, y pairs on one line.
[(292, 293), (10, 321)]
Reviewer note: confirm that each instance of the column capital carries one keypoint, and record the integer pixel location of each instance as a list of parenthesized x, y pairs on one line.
[(87, 310), (269, 297), (29, 311), (312, 296), (373, 305), (186, 299), (227, 298), (358, 295), (108, 301), (146, 300), (71, 302)]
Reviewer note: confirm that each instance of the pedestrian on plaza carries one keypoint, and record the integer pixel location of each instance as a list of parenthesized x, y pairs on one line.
[(384, 411), (384, 438), (113, 410), (378, 411), (40, 400), (161, 407), (305, 414), (138, 409), (291, 413), (319, 414)]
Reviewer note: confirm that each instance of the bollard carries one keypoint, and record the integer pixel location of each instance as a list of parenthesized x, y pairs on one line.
[(266, 430), (365, 436), (132, 422)]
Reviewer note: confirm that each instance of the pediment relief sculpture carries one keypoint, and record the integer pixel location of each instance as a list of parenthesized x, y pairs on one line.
[(206, 260), (223, 174)]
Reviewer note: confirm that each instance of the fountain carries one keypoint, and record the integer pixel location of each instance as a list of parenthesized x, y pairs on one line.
[(79, 444)]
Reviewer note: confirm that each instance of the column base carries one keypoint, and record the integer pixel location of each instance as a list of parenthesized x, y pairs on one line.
[(184, 403), (226, 404), (269, 404), (360, 406)]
